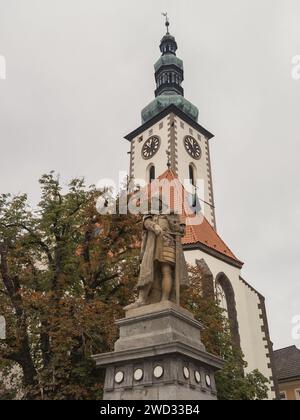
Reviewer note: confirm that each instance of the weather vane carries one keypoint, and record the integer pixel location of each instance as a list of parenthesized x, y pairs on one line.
[(165, 14)]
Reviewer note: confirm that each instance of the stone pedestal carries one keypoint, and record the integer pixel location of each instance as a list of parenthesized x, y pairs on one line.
[(159, 356)]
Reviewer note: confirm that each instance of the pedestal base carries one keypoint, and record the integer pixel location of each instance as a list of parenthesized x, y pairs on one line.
[(159, 356)]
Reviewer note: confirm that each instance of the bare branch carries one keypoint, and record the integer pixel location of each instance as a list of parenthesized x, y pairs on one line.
[(37, 239)]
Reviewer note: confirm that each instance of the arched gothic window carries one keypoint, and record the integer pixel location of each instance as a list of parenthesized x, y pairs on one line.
[(151, 172), (192, 177), (226, 297), (192, 174), (221, 297)]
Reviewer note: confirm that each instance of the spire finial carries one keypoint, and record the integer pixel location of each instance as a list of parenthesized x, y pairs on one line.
[(167, 23)]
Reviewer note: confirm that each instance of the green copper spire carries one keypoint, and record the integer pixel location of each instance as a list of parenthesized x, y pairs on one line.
[(169, 76)]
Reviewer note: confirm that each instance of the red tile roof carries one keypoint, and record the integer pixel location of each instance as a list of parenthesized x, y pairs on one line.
[(198, 229)]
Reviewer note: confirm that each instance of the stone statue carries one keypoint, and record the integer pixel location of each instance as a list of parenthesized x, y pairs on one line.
[(163, 267)]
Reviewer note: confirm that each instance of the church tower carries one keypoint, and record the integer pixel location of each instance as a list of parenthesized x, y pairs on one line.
[(170, 124), (170, 136)]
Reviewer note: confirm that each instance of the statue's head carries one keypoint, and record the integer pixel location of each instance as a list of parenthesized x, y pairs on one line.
[(176, 222)]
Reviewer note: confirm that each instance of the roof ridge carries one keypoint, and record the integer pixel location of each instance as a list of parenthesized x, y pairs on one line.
[(288, 347), (220, 237), (199, 232)]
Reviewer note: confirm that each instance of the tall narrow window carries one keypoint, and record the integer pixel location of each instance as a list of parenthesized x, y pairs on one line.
[(151, 173), (192, 174), (222, 299), (226, 298)]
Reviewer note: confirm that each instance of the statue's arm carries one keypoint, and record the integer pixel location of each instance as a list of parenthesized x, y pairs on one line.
[(152, 226)]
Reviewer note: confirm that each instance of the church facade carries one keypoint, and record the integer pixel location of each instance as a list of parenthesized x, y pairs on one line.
[(170, 124)]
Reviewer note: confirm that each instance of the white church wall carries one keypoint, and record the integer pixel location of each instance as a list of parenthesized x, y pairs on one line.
[(247, 300), (140, 165), (248, 313), (202, 165)]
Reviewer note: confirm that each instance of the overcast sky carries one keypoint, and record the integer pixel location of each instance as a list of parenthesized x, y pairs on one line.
[(80, 71)]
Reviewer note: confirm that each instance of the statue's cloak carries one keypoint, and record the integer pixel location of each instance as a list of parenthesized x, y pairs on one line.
[(149, 272)]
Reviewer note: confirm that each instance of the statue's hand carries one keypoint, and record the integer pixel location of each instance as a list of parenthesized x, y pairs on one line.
[(158, 230)]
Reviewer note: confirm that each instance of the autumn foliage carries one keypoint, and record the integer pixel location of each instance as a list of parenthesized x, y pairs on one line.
[(66, 272)]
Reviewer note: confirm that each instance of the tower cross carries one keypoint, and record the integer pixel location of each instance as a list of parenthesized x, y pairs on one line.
[(167, 23)]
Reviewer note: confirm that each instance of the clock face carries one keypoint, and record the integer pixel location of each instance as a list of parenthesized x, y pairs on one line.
[(150, 147), (192, 147)]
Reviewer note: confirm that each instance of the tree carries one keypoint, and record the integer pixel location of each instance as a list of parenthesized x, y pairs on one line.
[(65, 273), (232, 383)]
